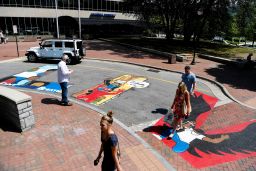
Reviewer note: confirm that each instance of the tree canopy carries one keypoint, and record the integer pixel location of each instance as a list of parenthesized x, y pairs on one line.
[(197, 18)]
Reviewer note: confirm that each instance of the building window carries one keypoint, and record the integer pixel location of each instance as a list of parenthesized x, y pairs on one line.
[(96, 5)]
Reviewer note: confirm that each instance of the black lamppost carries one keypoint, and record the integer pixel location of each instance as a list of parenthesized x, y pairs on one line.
[(57, 19), (79, 21), (253, 39), (194, 50), (195, 42)]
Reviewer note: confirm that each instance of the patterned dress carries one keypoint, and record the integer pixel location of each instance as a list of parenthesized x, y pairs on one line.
[(178, 115)]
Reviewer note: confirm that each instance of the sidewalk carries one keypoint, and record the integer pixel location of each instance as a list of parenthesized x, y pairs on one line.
[(9, 50), (65, 139)]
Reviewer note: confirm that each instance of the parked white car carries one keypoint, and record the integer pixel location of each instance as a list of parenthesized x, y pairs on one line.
[(55, 48), (218, 39)]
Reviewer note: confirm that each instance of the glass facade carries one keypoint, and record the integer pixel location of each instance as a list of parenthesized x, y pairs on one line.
[(28, 26), (68, 26), (97, 23), (94, 5)]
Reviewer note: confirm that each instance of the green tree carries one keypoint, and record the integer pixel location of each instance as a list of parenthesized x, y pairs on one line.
[(202, 14), (164, 12), (219, 21), (193, 15), (246, 17)]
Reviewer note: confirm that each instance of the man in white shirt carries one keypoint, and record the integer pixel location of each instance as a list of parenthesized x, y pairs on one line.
[(63, 79), (1, 37)]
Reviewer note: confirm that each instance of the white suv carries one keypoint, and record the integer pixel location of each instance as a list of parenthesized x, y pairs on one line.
[(55, 48)]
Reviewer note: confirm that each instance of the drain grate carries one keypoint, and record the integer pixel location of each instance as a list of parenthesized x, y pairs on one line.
[(153, 70)]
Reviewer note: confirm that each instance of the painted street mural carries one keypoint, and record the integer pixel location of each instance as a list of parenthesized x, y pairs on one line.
[(111, 88), (53, 87), (28, 79), (203, 149)]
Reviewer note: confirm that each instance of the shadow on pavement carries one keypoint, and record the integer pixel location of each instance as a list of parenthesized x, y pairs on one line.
[(119, 50), (235, 77), (7, 125), (163, 130), (44, 61), (3, 166), (50, 101), (162, 111)]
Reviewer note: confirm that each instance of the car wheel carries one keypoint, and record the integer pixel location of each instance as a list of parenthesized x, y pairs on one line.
[(32, 57), (79, 60)]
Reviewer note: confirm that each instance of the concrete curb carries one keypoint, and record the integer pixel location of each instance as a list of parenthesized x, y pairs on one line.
[(216, 59), (161, 159), (14, 59), (222, 88)]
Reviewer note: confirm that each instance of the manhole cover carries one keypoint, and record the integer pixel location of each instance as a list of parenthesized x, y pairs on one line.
[(153, 70)]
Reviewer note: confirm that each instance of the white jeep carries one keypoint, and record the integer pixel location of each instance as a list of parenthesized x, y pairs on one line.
[(55, 48)]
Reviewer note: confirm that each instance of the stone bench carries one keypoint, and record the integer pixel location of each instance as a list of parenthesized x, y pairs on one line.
[(16, 109), (217, 59)]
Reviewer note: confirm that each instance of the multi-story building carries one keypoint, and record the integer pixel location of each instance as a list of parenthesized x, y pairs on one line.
[(39, 16)]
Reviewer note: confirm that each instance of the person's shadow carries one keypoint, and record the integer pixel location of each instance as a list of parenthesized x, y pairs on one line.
[(8, 126), (50, 101), (233, 76), (162, 111)]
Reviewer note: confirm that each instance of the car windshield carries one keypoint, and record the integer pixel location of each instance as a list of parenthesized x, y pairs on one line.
[(46, 44)]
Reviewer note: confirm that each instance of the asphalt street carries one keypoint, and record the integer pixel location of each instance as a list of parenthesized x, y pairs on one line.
[(133, 107)]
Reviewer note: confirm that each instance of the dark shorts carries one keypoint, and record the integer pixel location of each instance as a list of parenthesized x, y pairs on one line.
[(108, 167)]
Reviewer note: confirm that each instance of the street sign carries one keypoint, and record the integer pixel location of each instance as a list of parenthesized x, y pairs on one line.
[(15, 31), (14, 28)]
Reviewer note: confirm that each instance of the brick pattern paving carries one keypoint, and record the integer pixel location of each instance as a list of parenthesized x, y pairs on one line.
[(9, 50), (228, 115), (66, 138)]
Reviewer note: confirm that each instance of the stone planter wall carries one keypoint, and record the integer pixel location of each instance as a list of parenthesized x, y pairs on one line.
[(16, 108)]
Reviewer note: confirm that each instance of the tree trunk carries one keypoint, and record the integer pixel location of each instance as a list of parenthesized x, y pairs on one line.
[(202, 24), (187, 32), (173, 26), (167, 28)]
